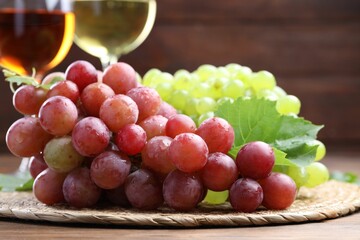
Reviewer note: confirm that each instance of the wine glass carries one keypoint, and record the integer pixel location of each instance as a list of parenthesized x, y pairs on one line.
[(108, 29), (34, 35)]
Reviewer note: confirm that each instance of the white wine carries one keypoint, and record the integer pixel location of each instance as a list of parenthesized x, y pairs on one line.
[(110, 28)]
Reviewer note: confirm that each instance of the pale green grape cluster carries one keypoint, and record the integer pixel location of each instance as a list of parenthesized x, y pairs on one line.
[(199, 93)]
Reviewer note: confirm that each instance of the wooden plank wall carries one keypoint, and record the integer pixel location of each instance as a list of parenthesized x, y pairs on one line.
[(311, 46)]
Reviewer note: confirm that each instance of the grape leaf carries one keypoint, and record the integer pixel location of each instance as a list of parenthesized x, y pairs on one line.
[(9, 183), (258, 120)]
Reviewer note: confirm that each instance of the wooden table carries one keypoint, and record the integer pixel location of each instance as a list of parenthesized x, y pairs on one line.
[(347, 227)]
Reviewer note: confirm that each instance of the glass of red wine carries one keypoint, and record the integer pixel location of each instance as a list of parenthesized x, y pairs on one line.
[(35, 36)]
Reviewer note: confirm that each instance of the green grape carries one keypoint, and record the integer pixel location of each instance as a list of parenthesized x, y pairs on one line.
[(298, 174), (224, 99), (233, 68), (262, 80), (165, 90), (216, 86), (178, 99), (222, 72), (205, 116), (183, 80), (205, 71), (190, 107), (317, 174), (200, 90), (234, 89), (213, 197), (267, 94), (288, 104), (320, 151), (147, 79), (244, 74), (138, 77), (279, 91), (205, 104)]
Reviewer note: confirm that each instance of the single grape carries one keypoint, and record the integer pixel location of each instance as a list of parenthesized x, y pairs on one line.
[(147, 100), (298, 174), (288, 104), (37, 165), (233, 89), (143, 190), (82, 73), (205, 71), (201, 90), (90, 136), (149, 75), (182, 191), (188, 152), (26, 137), (93, 96), (58, 115), (179, 123), (205, 104), (218, 134), (246, 195), (131, 139), (255, 160), (118, 197), (262, 80), (155, 155), (190, 107), (110, 169), (165, 90), (79, 190), (27, 99), (47, 187), (205, 116), (53, 78), (213, 197), (66, 89), (117, 111), (178, 99), (154, 126), (183, 80), (166, 110), (320, 151), (219, 173), (279, 191), (121, 77), (318, 174), (61, 156)]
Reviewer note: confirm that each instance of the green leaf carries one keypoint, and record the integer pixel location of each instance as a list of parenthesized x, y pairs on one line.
[(10, 183), (52, 82), (348, 177), (14, 78), (258, 120)]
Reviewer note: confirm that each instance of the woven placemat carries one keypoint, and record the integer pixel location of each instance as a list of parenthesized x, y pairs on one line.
[(330, 200)]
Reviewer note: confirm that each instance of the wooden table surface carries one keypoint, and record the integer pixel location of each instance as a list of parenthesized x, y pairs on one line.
[(347, 227)]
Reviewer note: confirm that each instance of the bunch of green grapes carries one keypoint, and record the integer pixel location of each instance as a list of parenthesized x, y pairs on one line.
[(199, 93)]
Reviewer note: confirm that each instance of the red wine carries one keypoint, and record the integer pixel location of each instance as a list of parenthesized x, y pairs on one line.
[(34, 39)]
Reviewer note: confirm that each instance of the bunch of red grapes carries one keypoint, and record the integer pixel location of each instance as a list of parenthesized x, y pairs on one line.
[(97, 134)]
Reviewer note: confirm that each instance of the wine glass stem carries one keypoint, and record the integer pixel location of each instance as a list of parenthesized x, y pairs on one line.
[(108, 60)]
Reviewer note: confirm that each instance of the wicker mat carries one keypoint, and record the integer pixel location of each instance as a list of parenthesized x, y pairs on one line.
[(330, 200)]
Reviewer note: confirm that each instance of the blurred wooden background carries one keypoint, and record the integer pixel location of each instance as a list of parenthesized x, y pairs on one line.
[(311, 46)]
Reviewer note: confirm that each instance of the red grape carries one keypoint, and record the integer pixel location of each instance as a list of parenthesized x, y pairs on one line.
[(131, 139), (110, 169), (52, 78), (118, 197), (37, 165), (65, 88), (93, 96), (90, 136), (182, 191), (166, 110), (47, 187), (155, 155), (147, 99), (154, 126), (218, 134), (219, 173), (27, 99), (117, 111), (188, 152), (255, 160), (246, 195), (58, 115), (121, 77), (143, 190), (26, 137), (82, 73), (79, 190), (179, 123), (279, 191)]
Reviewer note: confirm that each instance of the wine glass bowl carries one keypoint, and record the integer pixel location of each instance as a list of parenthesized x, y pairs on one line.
[(108, 29), (35, 35)]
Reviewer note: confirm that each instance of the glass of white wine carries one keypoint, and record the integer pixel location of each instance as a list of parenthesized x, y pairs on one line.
[(108, 29)]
